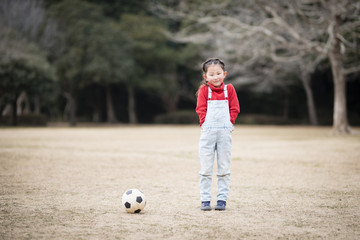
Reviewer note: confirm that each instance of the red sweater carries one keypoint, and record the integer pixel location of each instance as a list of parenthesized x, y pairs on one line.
[(217, 94)]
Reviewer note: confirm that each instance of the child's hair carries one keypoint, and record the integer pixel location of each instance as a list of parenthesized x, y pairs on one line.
[(205, 65), (211, 61)]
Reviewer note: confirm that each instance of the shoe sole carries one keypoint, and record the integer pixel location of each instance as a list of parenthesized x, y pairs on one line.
[(205, 209), (219, 208)]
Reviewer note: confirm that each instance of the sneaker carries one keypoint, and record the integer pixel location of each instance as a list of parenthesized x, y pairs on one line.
[(205, 206), (221, 205)]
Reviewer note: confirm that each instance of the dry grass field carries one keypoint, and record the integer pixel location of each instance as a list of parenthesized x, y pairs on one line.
[(286, 183)]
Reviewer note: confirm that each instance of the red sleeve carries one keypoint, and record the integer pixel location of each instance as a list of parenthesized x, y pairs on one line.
[(201, 106), (234, 106)]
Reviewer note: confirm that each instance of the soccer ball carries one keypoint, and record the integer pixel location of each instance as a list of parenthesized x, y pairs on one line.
[(133, 200)]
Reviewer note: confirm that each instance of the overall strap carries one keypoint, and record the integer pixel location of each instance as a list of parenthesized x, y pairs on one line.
[(225, 92)]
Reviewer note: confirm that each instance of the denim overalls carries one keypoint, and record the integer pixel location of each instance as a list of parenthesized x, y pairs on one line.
[(215, 136)]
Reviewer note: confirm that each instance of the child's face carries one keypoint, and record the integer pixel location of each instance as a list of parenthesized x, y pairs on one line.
[(215, 75)]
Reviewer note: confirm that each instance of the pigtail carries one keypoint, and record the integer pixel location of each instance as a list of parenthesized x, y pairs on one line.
[(203, 82)]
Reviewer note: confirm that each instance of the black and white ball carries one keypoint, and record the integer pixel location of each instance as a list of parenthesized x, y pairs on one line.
[(133, 200)]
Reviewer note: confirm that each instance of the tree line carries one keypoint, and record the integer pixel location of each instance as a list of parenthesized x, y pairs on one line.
[(86, 53), (77, 45)]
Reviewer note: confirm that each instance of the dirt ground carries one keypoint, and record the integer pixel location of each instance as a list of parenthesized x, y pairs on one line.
[(286, 183)]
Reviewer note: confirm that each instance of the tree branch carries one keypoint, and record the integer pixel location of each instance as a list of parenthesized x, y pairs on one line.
[(351, 70), (293, 33)]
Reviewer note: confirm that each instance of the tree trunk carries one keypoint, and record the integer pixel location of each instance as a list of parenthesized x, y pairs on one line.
[(340, 120), (111, 118), (96, 111), (73, 111), (23, 104), (131, 105), (37, 105), (306, 81), (7, 110), (96, 114), (27, 108), (70, 109), (170, 102), (286, 105), (14, 112)]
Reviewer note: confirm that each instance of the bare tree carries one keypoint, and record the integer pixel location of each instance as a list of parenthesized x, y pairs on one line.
[(245, 31), (338, 18)]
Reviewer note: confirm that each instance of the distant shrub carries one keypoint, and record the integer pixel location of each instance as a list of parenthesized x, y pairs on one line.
[(190, 117), (179, 117), (25, 120), (261, 119)]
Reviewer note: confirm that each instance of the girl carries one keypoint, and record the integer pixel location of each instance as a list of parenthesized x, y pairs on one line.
[(217, 107)]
